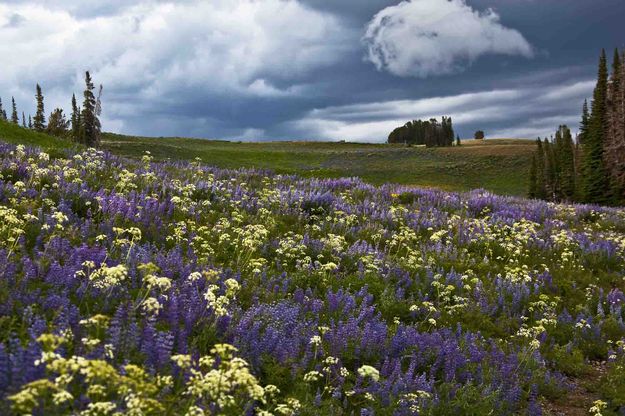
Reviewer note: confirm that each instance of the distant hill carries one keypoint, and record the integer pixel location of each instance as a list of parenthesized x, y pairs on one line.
[(498, 165)]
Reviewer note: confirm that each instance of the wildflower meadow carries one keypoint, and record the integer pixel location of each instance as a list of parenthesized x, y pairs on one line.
[(135, 287)]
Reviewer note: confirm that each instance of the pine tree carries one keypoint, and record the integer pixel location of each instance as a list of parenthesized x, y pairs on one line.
[(14, 117), (57, 124), (585, 124), (595, 181), (457, 140), (23, 120), (90, 124), (551, 171), (2, 112), (30, 122), (614, 151), (75, 121), (566, 164), (39, 121), (541, 188)]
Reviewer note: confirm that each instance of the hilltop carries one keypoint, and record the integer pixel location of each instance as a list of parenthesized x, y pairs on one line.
[(498, 165)]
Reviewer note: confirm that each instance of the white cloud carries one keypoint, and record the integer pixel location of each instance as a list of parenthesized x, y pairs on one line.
[(435, 37), (372, 122), (163, 51)]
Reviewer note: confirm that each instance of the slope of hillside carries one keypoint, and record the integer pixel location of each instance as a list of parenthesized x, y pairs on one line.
[(498, 165), (10, 133)]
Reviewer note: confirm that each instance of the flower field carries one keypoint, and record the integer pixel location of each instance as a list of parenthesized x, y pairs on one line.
[(143, 288)]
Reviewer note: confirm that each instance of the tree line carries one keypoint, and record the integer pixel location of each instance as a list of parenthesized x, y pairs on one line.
[(83, 125), (429, 132), (591, 167)]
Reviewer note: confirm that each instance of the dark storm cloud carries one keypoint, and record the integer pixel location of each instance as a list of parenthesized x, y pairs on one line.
[(300, 69)]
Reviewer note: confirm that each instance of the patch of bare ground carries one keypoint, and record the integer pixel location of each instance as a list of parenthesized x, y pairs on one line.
[(581, 396)]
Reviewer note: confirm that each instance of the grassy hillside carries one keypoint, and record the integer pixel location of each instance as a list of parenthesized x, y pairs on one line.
[(11, 133), (499, 165)]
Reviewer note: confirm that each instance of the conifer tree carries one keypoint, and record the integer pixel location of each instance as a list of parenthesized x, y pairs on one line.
[(23, 120), (457, 140), (541, 188), (551, 171), (566, 163), (30, 122), (615, 140), (75, 121), (39, 121), (57, 124), (585, 124), (3, 114), (595, 181), (90, 124), (14, 117)]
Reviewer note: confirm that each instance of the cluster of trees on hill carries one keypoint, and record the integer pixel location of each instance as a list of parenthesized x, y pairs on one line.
[(83, 126), (591, 168), (554, 170), (430, 133)]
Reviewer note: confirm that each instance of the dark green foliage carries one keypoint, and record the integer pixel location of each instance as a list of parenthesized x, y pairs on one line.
[(75, 120), (592, 168), (595, 180), (90, 124), (24, 120), (57, 124), (14, 117), (30, 122), (553, 169), (479, 135), (457, 140), (565, 156), (430, 133), (39, 121), (585, 124), (615, 140)]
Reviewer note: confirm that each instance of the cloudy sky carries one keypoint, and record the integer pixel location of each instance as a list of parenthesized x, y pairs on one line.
[(311, 69)]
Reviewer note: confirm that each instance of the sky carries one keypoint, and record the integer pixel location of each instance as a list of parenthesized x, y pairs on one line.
[(311, 69)]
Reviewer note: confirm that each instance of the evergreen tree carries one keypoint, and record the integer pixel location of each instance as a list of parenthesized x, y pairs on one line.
[(75, 121), (14, 117), (595, 181), (614, 152), (57, 124), (90, 124), (430, 133), (3, 114), (552, 185), (23, 120), (585, 124), (541, 187), (566, 163), (39, 121), (30, 122), (457, 140)]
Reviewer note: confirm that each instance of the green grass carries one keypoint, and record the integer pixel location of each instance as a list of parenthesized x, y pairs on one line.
[(499, 165), (11, 133)]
